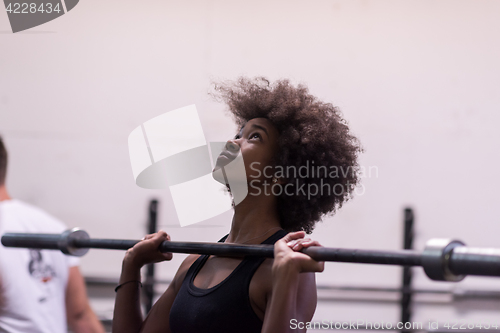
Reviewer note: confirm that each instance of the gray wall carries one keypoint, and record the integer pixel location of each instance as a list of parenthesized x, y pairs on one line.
[(418, 82)]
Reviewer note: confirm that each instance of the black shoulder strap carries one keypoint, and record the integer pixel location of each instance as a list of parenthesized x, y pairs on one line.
[(271, 240)]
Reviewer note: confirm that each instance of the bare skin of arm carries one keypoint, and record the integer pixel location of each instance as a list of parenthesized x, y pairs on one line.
[(284, 297), (293, 294), (158, 319), (127, 314), (81, 318), (1, 295)]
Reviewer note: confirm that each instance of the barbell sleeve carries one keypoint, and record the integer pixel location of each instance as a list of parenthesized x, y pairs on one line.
[(475, 261)]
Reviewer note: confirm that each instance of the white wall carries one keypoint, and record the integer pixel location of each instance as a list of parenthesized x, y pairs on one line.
[(418, 82)]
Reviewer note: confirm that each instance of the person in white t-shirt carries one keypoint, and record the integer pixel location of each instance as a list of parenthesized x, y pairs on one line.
[(40, 291)]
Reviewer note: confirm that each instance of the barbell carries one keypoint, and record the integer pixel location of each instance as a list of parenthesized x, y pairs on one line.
[(442, 259)]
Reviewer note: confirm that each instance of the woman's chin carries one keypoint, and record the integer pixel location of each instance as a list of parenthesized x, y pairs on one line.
[(218, 175), (222, 161)]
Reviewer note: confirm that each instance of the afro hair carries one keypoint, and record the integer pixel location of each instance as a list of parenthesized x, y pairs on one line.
[(312, 134)]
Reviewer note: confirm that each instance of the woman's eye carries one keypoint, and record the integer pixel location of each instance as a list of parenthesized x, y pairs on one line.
[(255, 135)]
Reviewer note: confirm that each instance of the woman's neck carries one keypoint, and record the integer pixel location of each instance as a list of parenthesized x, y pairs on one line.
[(254, 220)]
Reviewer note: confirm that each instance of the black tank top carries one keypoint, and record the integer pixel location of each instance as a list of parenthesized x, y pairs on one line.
[(224, 308)]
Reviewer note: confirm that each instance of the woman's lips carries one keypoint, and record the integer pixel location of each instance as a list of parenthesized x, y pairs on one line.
[(228, 155), (225, 158)]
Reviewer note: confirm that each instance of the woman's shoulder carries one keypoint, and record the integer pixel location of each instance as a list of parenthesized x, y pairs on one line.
[(263, 275), (187, 262), (183, 269)]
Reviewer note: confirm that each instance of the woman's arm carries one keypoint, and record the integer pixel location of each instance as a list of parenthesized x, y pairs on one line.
[(293, 293), (158, 319), (127, 316)]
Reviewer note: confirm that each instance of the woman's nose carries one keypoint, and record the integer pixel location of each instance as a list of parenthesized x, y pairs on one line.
[(232, 146)]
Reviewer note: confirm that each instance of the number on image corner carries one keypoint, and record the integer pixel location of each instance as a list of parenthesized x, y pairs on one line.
[(447, 325), (56, 8), (40, 8), (479, 326), (487, 326), (9, 8), (24, 5), (32, 7), (47, 7), (495, 326)]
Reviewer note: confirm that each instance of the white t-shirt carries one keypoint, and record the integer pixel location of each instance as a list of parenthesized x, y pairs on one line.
[(33, 282)]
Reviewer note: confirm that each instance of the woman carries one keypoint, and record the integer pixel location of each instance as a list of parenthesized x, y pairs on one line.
[(301, 163)]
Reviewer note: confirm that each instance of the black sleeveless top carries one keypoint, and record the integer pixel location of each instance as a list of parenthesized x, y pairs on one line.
[(224, 308)]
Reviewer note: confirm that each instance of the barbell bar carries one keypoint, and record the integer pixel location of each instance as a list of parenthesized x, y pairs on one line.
[(442, 259)]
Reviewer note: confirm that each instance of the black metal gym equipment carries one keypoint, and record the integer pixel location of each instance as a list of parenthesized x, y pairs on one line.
[(442, 259)]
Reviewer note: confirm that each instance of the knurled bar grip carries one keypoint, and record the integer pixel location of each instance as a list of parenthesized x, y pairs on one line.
[(52, 241), (442, 260)]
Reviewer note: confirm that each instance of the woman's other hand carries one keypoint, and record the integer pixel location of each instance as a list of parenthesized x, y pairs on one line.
[(146, 251), (287, 257)]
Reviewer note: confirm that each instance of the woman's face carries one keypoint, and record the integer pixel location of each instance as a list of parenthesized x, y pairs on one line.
[(258, 142)]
